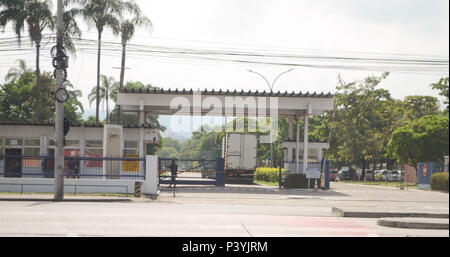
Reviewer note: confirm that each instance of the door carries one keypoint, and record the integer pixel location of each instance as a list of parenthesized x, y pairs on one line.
[(13, 163)]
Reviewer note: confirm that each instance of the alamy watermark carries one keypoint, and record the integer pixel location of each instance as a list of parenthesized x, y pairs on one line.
[(226, 113)]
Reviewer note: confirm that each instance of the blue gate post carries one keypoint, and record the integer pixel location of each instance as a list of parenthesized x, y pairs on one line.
[(327, 175), (220, 172), (279, 178), (425, 170)]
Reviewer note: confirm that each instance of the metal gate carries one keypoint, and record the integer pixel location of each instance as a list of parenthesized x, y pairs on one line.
[(191, 172)]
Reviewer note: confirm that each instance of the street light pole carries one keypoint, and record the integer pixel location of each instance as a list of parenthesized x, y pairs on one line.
[(59, 133), (271, 89)]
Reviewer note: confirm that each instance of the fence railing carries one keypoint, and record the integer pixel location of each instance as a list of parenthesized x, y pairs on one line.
[(293, 168), (188, 169), (18, 166)]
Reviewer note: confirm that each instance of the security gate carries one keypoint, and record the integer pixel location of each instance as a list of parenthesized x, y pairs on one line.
[(191, 172)]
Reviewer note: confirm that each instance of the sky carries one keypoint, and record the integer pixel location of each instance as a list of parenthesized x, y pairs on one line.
[(413, 27)]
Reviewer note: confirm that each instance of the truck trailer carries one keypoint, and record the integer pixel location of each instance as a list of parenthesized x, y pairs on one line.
[(239, 152)]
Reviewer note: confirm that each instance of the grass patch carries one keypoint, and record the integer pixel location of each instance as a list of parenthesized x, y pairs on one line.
[(267, 183)]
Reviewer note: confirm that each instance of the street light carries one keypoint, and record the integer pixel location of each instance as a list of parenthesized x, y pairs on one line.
[(275, 80), (271, 90)]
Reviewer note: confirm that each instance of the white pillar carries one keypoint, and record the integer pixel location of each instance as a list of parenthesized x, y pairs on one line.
[(291, 128), (82, 147), (141, 133), (289, 155), (319, 154), (305, 143), (297, 151), (150, 185)]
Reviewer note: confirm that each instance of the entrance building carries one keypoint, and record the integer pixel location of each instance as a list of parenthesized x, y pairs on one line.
[(233, 104)]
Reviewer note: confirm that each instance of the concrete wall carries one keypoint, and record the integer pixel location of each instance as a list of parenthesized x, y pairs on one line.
[(123, 186), (46, 185), (410, 175)]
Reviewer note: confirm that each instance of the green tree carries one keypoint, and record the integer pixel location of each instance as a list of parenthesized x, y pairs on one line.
[(442, 86), (36, 16), (168, 152), (103, 14), (15, 73), (423, 140), (419, 106), (17, 98), (361, 121), (126, 30), (108, 90)]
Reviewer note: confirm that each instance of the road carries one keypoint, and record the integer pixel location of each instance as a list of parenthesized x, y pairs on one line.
[(233, 211)]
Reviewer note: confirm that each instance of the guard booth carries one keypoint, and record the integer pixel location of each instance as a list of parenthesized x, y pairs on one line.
[(425, 170)]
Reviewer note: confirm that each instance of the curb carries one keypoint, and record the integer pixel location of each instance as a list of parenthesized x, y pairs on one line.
[(412, 224), (356, 214)]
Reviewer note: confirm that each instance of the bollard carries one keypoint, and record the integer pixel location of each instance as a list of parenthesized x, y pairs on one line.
[(137, 188), (316, 188)]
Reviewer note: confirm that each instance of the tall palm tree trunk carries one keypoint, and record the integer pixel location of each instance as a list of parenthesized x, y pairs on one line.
[(38, 84), (122, 74), (98, 76), (107, 104)]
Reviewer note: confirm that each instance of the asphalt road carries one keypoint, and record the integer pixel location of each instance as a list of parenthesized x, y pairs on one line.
[(233, 211)]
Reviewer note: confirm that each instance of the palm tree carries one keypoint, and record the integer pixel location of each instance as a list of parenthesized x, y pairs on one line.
[(74, 95), (126, 30), (106, 92), (103, 14), (36, 15), (14, 73)]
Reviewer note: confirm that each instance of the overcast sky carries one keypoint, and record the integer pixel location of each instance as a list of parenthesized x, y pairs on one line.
[(418, 27)]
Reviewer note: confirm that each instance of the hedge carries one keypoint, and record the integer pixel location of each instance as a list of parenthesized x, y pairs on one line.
[(439, 181), (268, 174)]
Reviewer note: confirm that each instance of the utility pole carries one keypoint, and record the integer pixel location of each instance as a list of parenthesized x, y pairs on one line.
[(271, 90), (59, 133)]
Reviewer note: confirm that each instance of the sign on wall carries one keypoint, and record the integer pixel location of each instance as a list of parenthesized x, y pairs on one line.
[(130, 166)]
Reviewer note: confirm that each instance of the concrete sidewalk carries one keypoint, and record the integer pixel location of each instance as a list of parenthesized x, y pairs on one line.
[(380, 212), (414, 223)]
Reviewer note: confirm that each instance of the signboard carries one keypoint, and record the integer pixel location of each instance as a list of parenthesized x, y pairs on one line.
[(313, 173), (130, 166), (425, 170)]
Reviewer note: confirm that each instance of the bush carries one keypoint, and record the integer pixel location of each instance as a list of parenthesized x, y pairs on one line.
[(439, 181), (268, 174)]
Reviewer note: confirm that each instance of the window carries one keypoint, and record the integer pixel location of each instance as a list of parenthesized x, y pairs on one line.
[(130, 118), (131, 147), (93, 152), (32, 142), (131, 144), (130, 151), (72, 143), (94, 143), (14, 142), (31, 151)]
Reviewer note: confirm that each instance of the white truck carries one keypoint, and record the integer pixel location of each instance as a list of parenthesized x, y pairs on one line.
[(240, 154)]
